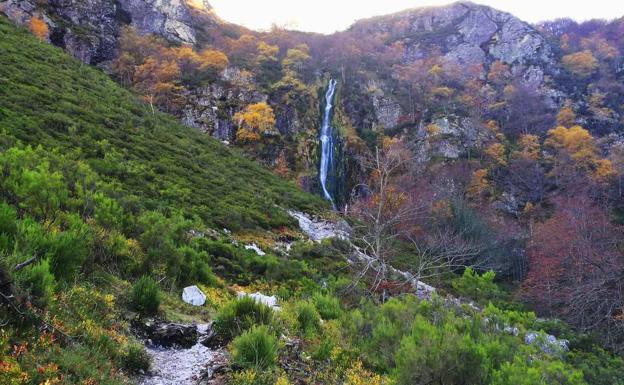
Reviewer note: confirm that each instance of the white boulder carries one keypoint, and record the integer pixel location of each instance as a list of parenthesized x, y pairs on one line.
[(270, 301), (193, 296)]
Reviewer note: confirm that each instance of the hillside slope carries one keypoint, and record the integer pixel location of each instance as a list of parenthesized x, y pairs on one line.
[(97, 192), (108, 210), (49, 99)]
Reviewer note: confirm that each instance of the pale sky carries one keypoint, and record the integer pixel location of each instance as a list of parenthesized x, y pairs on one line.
[(327, 16)]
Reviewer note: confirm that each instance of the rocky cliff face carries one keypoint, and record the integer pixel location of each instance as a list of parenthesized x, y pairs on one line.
[(88, 29), (468, 34), (211, 109)]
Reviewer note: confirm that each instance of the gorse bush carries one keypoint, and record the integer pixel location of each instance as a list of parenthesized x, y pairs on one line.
[(69, 250), (145, 296), (39, 281), (255, 348), (433, 354), (240, 315), (136, 359), (480, 288), (327, 306), (308, 318)]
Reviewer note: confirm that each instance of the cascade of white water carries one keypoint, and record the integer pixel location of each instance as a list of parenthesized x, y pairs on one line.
[(327, 145)]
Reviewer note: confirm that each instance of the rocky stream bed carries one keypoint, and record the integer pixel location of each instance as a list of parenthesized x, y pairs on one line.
[(181, 354)]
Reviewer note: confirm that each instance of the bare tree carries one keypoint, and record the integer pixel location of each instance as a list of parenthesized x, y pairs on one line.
[(387, 215)]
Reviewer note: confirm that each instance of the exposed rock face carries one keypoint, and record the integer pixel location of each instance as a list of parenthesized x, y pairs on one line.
[(466, 33), (318, 230), (454, 138), (211, 109), (18, 10), (89, 29), (168, 18)]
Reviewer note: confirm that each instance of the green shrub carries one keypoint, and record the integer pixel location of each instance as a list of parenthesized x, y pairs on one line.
[(598, 366), (521, 371), (323, 350), (8, 220), (145, 296), (382, 344), (136, 359), (240, 315), (480, 288), (194, 267), (327, 306), (440, 354), (69, 249), (39, 281), (308, 318), (256, 348), (106, 211)]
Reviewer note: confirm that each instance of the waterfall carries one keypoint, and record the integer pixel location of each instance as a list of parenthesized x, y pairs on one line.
[(327, 142)]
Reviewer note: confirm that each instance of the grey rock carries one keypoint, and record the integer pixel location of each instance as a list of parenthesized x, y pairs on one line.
[(167, 335), (456, 137), (89, 29), (255, 249), (507, 203), (170, 19), (547, 343), (193, 296), (270, 301), (387, 109), (317, 230)]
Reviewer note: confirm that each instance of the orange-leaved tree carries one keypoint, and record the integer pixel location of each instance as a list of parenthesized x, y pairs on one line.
[(38, 27), (158, 82)]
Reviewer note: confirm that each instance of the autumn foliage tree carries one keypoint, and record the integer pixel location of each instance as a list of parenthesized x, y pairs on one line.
[(159, 72), (575, 265), (582, 64), (38, 28), (255, 121), (566, 116), (576, 149), (158, 82)]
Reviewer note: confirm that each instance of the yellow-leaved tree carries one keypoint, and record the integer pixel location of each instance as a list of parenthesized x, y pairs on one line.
[(566, 116), (253, 122), (582, 64), (528, 147), (496, 153), (576, 145)]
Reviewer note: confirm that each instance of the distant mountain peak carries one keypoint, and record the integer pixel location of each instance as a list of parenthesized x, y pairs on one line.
[(465, 32)]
